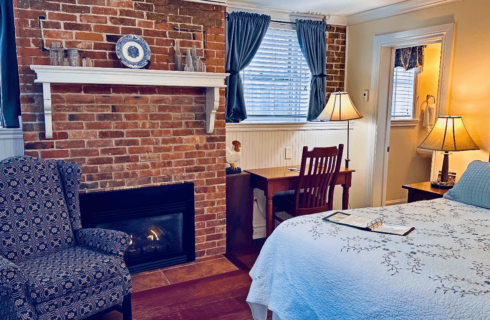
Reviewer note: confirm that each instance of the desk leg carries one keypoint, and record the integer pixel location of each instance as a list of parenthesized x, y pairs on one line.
[(269, 214), (345, 197), (345, 191)]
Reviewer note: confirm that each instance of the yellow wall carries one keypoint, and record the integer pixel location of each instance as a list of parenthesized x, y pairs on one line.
[(405, 164), (429, 78), (469, 94)]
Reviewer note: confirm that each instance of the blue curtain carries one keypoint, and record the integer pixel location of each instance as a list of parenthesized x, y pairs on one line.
[(313, 43), (10, 101), (245, 34)]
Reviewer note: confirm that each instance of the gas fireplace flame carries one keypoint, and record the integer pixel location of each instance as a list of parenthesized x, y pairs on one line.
[(131, 239), (156, 236), (153, 236)]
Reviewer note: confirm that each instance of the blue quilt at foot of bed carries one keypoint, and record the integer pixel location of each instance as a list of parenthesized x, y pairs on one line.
[(313, 269)]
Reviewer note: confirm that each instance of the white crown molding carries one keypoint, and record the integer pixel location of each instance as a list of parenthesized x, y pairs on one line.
[(395, 9), (284, 14), (213, 2)]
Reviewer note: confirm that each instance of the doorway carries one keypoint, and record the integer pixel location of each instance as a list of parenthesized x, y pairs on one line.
[(378, 139), (413, 113)]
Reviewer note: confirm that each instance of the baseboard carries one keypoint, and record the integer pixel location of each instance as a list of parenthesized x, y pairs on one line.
[(259, 232), (395, 202)]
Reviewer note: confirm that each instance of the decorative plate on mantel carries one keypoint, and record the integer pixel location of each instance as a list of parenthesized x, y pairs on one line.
[(133, 51)]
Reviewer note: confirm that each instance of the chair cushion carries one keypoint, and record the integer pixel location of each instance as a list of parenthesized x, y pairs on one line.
[(81, 304), (473, 187), (34, 219), (68, 271)]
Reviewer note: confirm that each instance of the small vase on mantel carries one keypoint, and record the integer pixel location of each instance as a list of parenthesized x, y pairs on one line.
[(195, 59), (189, 64), (178, 57)]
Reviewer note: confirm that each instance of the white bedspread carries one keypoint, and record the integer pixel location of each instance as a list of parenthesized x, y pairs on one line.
[(313, 269)]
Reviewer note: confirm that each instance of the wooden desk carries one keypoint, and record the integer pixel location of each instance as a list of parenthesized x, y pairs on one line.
[(272, 180)]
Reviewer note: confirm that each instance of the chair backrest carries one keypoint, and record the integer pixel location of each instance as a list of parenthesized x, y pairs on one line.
[(318, 175), (35, 212)]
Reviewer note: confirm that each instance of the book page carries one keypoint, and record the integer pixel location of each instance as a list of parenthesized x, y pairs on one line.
[(367, 224), (398, 230), (336, 217), (355, 221)]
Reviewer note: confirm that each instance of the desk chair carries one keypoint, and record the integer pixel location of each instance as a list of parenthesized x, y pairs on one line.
[(314, 194)]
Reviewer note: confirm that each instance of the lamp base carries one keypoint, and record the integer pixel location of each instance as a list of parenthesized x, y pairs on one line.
[(442, 185)]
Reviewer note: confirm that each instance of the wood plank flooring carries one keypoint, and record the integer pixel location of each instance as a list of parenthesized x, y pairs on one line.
[(216, 297), (221, 297)]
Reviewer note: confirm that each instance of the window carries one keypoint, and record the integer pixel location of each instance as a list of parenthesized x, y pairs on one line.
[(277, 81), (404, 94)]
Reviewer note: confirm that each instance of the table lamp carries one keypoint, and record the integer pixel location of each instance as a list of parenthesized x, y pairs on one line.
[(448, 134), (340, 108)]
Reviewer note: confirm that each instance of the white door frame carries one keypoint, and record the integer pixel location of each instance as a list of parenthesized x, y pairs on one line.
[(379, 123)]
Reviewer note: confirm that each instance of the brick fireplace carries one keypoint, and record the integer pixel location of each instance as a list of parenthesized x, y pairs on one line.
[(129, 136)]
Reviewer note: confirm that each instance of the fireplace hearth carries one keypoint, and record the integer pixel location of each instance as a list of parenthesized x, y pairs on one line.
[(159, 220)]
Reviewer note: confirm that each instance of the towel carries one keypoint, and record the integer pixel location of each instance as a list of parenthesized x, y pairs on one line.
[(430, 116)]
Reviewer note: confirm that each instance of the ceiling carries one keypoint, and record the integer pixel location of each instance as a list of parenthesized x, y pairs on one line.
[(333, 7)]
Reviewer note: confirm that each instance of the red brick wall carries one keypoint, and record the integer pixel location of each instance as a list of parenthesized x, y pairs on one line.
[(125, 136), (335, 59)]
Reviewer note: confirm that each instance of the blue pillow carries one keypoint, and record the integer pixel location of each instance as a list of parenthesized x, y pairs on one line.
[(474, 186)]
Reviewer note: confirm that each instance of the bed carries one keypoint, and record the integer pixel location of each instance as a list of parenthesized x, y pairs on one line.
[(313, 269)]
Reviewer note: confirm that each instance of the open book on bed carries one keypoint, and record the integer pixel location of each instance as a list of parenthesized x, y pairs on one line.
[(367, 224)]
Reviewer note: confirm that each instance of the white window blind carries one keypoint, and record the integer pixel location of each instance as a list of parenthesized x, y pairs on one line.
[(277, 81), (403, 94)]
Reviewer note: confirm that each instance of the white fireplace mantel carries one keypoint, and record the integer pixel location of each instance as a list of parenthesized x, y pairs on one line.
[(56, 74)]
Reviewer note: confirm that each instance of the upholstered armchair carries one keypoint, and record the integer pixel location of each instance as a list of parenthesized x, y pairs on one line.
[(51, 268)]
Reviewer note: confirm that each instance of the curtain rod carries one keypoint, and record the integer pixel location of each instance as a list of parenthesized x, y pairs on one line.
[(329, 26)]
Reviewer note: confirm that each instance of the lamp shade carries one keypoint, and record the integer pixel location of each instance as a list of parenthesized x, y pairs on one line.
[(339, 108), (449, 134)]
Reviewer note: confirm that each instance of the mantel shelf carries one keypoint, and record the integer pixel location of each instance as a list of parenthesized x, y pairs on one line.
[(56, 74)]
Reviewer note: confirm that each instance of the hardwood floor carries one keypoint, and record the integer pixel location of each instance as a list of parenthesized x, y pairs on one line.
[(182, 292), (217, 297)]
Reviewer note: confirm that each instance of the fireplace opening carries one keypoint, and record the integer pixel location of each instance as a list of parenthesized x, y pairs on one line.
[(159, 221), (151, 235)]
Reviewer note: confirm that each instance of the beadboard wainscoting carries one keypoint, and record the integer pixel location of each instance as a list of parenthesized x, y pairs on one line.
[(11, 143), (263, 146)]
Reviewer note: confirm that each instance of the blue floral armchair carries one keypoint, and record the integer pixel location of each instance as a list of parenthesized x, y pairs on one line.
[(51, 268)]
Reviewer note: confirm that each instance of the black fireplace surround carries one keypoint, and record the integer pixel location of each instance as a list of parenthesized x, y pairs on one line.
[(159, 220)]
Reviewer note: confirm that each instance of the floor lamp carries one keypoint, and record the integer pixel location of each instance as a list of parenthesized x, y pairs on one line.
[(340, 108)]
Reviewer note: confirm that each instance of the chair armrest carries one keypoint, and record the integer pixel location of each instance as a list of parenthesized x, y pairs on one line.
[(14, 303), (103, 240)]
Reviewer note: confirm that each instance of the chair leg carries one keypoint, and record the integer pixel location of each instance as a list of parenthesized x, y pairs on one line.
[(126, 307), (274, 211)]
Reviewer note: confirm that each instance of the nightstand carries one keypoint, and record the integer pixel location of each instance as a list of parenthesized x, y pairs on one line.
[(423, 191)]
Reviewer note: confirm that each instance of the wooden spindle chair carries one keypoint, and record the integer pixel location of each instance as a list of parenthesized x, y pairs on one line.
[(315, 190)]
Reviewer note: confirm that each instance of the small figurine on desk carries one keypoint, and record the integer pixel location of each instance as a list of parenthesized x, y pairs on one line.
[(232, 157)]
